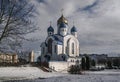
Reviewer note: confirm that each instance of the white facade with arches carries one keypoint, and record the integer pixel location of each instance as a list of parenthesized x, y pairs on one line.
[(62, 46)]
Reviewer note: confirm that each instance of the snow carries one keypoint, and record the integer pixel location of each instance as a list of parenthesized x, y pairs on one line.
[(34, 74), (105, 72), (24, 73), (77, 78)]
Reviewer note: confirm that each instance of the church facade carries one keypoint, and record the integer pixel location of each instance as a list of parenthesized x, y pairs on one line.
[(62, 46)]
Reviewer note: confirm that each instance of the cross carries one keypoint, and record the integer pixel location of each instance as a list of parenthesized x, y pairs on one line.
[(50, 23), (62, 10), (73, 22)]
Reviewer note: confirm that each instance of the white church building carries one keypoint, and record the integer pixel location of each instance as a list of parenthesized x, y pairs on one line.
[(61, 49)]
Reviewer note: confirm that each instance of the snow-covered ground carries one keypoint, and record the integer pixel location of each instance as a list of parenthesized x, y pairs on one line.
[(34, 74), (77, 78), (7, 73), (104, 72)]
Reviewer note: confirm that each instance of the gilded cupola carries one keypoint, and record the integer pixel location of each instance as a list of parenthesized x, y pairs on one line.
[(62, 19)]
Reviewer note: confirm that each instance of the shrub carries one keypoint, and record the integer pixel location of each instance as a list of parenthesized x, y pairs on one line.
[(74, 69)]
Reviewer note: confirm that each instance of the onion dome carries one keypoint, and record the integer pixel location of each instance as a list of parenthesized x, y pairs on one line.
[(50, 29), (73, 29), (62, 19)]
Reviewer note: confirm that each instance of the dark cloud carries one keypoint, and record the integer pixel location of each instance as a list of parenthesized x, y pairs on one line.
[(41, 1), (89, 8), (97, 22)]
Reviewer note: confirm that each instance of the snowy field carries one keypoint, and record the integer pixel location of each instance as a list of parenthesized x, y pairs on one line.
[(9, 73), (34, 74), (77, 78)]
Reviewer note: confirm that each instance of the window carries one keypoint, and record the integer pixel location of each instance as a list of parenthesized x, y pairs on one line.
[(62, 30), (53, 68), (73, 60), (55, 48), (63, 57), (43, 50), (66, 50), (72, 48), (50, 46), (77, 61)]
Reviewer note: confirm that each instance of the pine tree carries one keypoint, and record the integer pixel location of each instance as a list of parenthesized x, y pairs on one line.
[(83, 63), (93, 63), (109, 64), (87, 62)]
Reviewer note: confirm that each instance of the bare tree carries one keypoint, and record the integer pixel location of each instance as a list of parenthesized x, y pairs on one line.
[(15, 22)]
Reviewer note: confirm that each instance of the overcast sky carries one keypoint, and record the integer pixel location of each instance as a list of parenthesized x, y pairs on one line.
[(97, 23)]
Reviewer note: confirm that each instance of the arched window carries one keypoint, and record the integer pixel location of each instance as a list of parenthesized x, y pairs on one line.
[(43, 50), (63, 57), (66, 50), (73, 60), (50, 46), (72, 48), (77, 61), (55, 49), (53, 68)]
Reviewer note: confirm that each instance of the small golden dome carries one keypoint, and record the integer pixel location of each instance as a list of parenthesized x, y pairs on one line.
[(62, 19)]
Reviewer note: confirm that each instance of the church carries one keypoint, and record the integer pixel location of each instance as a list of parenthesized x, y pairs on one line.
[(61, 48)]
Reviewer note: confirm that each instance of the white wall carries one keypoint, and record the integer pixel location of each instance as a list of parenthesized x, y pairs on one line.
[(73, 61), (62, 65), (58, 65), (68, 40), (63, 31), (59, 49)]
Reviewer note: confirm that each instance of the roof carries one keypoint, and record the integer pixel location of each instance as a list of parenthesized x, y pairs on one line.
[(58, 40), (50, 29), (73, 29), (62, 19)]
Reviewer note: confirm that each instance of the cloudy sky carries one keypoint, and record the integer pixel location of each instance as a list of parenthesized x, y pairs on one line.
[(97, 22)]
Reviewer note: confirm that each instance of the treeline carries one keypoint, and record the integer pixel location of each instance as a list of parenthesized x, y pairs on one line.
[(88, 63)]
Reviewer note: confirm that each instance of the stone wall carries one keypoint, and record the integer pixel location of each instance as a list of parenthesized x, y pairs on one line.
[(58, 65)]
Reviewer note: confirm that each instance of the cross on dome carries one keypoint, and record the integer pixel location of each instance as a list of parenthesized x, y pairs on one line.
[(62, 19)]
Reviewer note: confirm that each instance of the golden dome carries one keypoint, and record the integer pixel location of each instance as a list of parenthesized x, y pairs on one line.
[(62, 19)]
